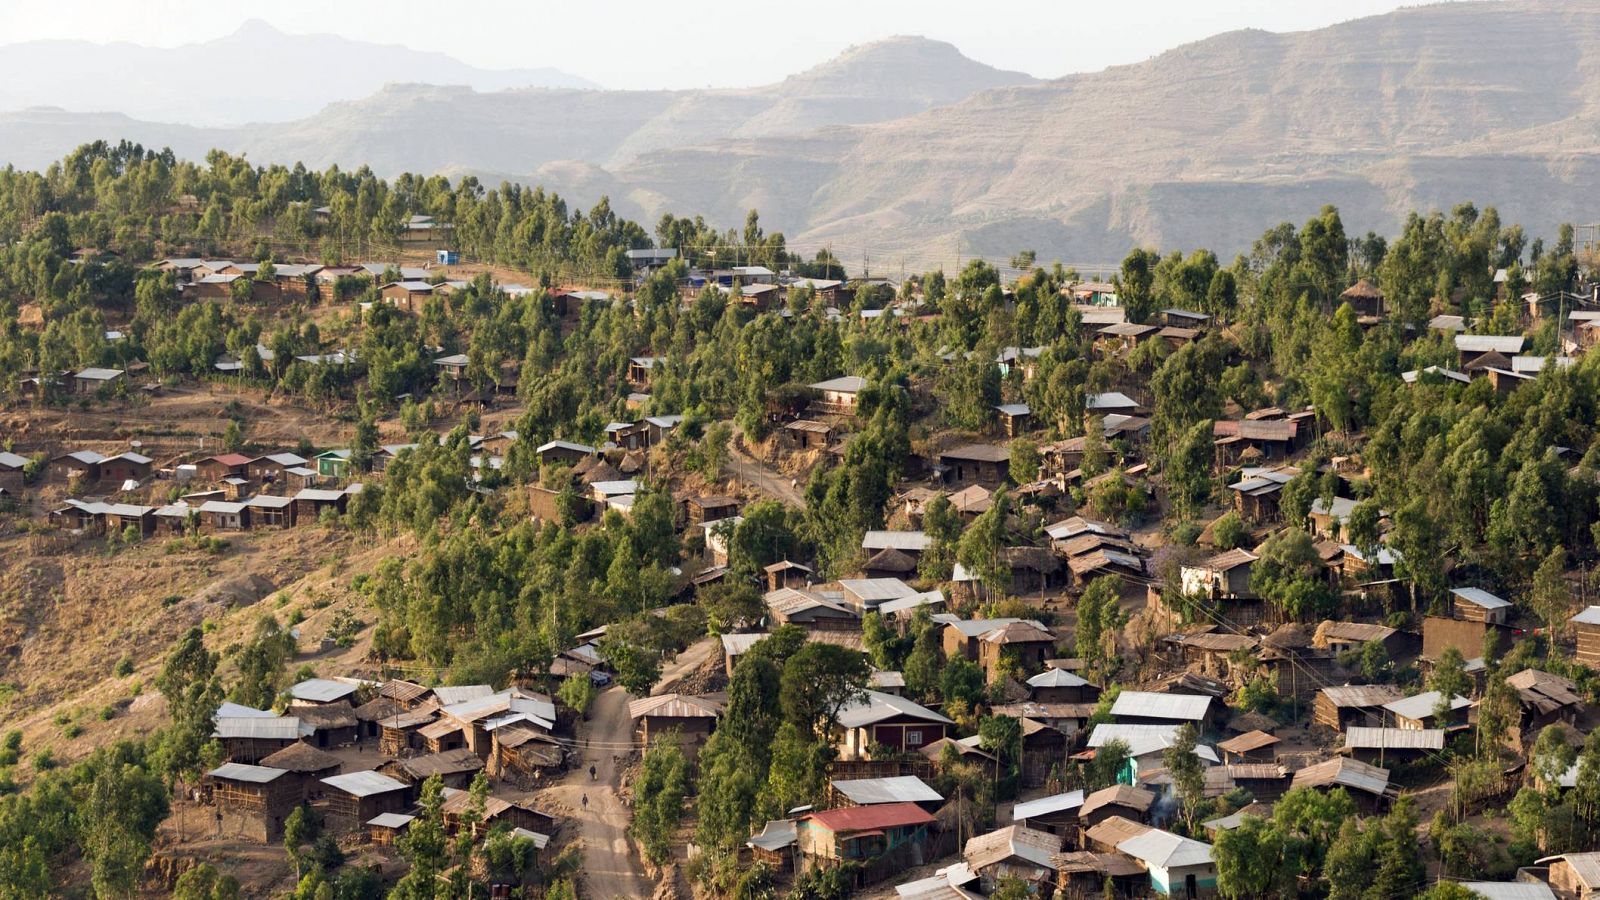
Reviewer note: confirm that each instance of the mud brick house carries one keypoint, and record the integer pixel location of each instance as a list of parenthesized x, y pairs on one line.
[(81, 465), (1545, 699), (1586, 625), (267, 511), (1120, 801), (1014, 418), (273, 467), (808, 434), (309, 504), (1256, 494), (1060, 686), (306, 765), (1013, 852), (838, 396), (123, 467), (563, 451), (691, 718), (1478, 605), (642, 368), (811, 610), (224, 515), (1056, 814), (981, 463), (710, 509), (216, 468), (12, 467), (407, 296), (886, 720), (457, 806), (253, 801), (1340, 707)]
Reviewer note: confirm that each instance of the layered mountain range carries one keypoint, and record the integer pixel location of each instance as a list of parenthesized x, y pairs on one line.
[(906, 153)]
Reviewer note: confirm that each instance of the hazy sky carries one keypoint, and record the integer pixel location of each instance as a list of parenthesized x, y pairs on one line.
[(696, 43)]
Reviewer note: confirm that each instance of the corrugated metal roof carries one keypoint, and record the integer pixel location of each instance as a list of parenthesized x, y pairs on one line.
[(1250, 740), (845, 384), (1012, 842), (898, 789), (1510, 890), (876, 707), (1590, 616), (868, 818), (391, 820), (1360, 737), (1358, 696), (262, 727), (872, 591), (1143, 704), (1421, 706), (248, 773), (321, 690), (1047, 805), (1480, 597), (1586, 866), (1343, 772), (1056, 678), (450, 695), (1489, 343), (776, 835), (674, 706), (1166, 850), (364, 784), (915, 541)]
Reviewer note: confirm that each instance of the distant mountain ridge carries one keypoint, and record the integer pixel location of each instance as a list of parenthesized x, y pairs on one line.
[(907, 153), (255, 74)]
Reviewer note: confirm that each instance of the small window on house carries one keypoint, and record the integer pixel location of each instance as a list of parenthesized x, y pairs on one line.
[(913, 738)]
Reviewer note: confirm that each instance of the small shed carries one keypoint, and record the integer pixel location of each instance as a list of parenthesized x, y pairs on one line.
[(1478, 605), (1250, 747), (1368, 785), (1575, 875), (1056, 814), (383, 830), (1341, 706)]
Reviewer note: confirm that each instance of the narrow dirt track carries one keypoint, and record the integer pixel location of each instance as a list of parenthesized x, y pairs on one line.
[(610, 863), (744, 468)]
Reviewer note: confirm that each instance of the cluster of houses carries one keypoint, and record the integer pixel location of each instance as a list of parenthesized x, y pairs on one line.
[(310, 753)]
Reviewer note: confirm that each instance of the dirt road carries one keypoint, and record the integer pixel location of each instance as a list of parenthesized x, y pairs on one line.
[(692, 658), (744, 468), (610, 864)]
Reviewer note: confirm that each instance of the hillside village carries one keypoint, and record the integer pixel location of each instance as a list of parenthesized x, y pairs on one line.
[(599, 564)]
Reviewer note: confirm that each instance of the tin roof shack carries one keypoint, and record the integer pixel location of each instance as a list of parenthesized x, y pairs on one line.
[(1586, 625), (401, 734), (477, 715), (1061, 686), (455, 768), (1212, 653), (984, 464), (1224, 576), (1178, 866), (1421, 711), (520, 753), (1120, 802), (1014, 418), (253, 801), (496, 810), (811, 610), (92, 380), (1253, 441), (1340, 637), (1575, 876), (1250, 747), (1478, 605), (1025, 644), (357, 797), (710, 509), (1257, 493), (1147, 747), (862, 833), (1056, 814), (1479, 352), (1381, 746), (807, 434), (1015, 851), (309, 504), (1545, 699), (1081, 874), (691, 718), (1342, 706), (885, 720), (1145, 708), (1367, 785), (872, 791), (322, 692), (963, 636), (775, 844), (252, 738), (332, 725)]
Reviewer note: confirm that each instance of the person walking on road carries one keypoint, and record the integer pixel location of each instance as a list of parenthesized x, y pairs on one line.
[(586, 802), (592, 775)]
